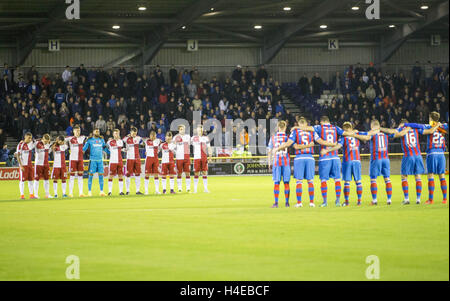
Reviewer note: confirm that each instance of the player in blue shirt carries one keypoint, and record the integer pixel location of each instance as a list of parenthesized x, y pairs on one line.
[(304, 164), (96, 145), (329, 163), (412, 162), (281, 169), (435, 159)]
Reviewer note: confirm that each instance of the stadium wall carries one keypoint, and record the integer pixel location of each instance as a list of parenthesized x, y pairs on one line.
[(292, 61)]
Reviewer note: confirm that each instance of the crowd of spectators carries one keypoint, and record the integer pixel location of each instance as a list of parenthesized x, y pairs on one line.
[(368, 93), (40, 103), (121, 98)]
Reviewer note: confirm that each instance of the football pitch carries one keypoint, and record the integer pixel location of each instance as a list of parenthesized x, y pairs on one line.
[(228, 234)]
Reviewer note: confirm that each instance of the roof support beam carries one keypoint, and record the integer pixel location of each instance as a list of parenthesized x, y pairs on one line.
[(228, 33), (391, 43), (157, 38), (100, 31), (274, 42), (403, 10), (30, 42)]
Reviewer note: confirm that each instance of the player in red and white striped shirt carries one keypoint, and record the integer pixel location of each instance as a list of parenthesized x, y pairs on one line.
[(23, 156), (202, 148), (41, 165), (183, 141), (132, 142), (59, 165), (76, 165), (151, 160), (167, 162), (115, 146)]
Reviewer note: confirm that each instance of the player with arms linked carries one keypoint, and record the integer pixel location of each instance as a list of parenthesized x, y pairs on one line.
[(435, 159), (279, 161), (304, 165), (412, 162)]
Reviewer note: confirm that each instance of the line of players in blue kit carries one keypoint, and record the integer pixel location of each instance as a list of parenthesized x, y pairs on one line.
[(332, 138)]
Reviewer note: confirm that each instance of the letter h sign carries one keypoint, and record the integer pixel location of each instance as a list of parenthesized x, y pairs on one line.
[(53, 45)]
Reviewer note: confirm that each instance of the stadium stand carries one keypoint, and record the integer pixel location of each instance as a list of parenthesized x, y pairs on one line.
[(121, 98)]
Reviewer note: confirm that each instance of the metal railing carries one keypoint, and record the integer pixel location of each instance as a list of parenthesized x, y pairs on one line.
[(279, 72)]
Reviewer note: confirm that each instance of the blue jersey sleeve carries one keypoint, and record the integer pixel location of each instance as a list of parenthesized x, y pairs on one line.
[(105, 148), (293, 136), (317, 129), (362, 133), (86, 145), (339, 131), (270, 145), (417, 126), (341, 141)]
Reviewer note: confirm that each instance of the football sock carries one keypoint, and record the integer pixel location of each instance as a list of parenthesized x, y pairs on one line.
[(163, 180), (324, 189), (80, 184), (299, 191), (373, 189), (337, 185), (110, 185), (101, 182), (127, 184), (188, 183), (63, 186), (405, 188), (36, 187), (286, 192), (172, 183), (346, 191), (276, 191), (47, 187), (71, 183), (195, 183), (137, 181), (359, 190), (388, 189), (311, 191), (21, 187), (90, 183), (156, 180), (30, 187), (205, 182), (120, 185), (431, 189), (418, 188), (444, 188)]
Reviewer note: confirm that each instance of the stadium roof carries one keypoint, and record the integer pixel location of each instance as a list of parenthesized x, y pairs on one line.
[(28, 22)]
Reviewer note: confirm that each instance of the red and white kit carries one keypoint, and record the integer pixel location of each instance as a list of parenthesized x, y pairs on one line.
[(151, 156), (182, 153), (201, 145), (76, 154), (59, 162), (115, 157), (41, 165), (167, 161), (24, 151), (133, 157)]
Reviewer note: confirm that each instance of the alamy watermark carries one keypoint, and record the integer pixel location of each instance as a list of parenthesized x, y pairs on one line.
[(73, 270), (373, 270), (253, 132)]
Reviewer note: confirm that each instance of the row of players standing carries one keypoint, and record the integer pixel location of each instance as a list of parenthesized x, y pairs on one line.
[(173, 149), (332, 138)]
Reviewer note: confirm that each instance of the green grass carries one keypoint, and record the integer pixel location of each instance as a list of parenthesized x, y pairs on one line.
[(229, 234)]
